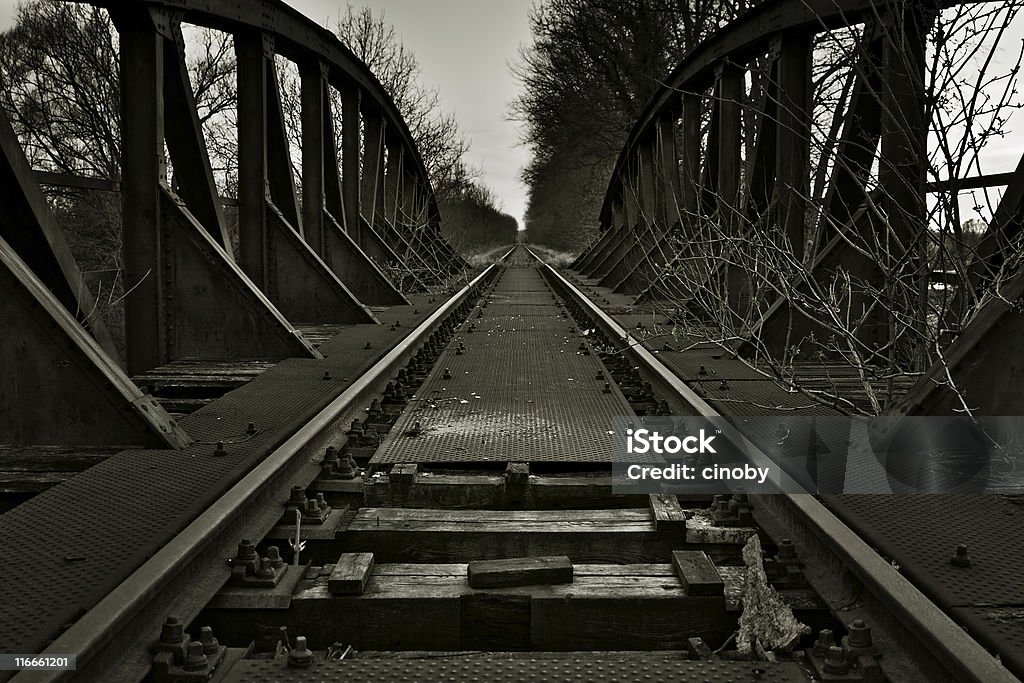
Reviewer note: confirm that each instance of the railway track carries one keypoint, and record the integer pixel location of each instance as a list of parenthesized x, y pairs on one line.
[(455, 518)]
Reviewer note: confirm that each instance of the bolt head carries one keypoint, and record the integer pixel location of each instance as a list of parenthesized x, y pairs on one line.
[(195, 657), (172, 630)]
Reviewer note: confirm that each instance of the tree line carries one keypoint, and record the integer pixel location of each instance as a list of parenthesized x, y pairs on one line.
[(586, 76)]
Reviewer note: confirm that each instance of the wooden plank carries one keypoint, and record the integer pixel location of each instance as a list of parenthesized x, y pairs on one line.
[(492, 621), (667, 513), (613, 535), (350, 574), (697, 573), (466, 491), (520, 571), (432, 607)]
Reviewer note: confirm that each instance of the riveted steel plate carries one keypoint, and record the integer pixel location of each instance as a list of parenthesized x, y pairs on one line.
[(517, 321), (595, 668), (716, 364), (518, 281), (508, 398), (757, 397), (921, 533), (71, 545), (520, 308)]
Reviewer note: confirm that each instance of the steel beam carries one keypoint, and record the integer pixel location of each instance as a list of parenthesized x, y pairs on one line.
[(781, 327), (193, 175), (690, 151), (392, 180), (793, 138), (729, 94), (252, 50), (350, 144), (186, 296), (373, 166), (295, 277), (278, 170), (315, 124), (143, 169), (28, 226), (319, 170), (668, 169), (213, 309), (333, 201), (763, 170), (60, 387), (358, 271)]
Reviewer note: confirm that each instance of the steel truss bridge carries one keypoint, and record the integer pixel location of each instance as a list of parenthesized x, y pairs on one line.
[(339, 451)]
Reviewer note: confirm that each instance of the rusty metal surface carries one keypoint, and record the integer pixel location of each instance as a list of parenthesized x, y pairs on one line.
[(508, 398), (72, 544), (596, 668)]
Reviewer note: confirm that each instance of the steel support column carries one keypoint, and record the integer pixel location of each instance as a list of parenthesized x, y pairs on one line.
[(295, 277), (315, 124), (319, 171), (793, 137), (350, 144)]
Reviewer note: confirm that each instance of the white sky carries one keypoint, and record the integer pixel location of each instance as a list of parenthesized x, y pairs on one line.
[(7, 8), (464, 48)]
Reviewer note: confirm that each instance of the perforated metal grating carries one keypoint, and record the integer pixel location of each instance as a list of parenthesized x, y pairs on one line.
[(594, 669), (1000, 629), (507, 399), (921, 532)]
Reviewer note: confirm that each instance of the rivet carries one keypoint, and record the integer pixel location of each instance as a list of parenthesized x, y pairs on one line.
[(962, 558)]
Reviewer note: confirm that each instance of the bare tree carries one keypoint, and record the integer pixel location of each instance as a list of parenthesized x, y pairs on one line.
[(880, 317), (588, 73)]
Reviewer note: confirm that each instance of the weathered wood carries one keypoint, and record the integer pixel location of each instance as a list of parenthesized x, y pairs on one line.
[(517, 474), (493, 621), (432, 607), (613, 535), (697, 573), (469, 491), (520, 571), (350, 574), (403, 474), (667, 513)]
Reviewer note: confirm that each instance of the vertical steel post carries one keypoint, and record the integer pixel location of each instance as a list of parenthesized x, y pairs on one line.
[(350, 144), (730, 97), (143, 168), (251, 49), (793, 138), (315, 123), (690, 143)]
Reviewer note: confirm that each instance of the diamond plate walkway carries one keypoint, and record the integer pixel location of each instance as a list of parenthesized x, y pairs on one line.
[(505, 394)]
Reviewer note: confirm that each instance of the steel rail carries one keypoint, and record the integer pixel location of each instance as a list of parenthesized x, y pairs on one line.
[(950, 648), (111, 640)]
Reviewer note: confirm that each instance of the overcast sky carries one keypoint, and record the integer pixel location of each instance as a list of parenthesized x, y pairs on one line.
[(464, 48)]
